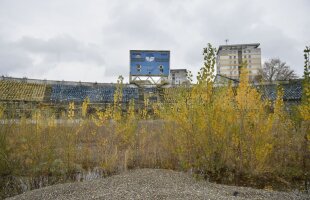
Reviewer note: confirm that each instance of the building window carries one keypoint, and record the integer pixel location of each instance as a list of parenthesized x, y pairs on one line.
[(249, 51), (249, 56), (234, 56), (249, 61), (229, 57), (244, 56), (235, 62), (250, 66), (138, 68), (161, 69)]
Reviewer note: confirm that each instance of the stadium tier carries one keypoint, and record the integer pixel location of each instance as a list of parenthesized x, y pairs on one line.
[(292, 91), (31, 90), (150, 90), (77, 93), (19, 91)]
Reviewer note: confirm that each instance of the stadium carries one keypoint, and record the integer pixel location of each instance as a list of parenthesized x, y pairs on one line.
[(24, 95)]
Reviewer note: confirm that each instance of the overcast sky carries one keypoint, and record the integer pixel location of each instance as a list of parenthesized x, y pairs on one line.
[(89, 40)]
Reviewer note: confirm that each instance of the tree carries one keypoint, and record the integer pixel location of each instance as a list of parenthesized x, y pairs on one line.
[(276, 70), (304, 110)]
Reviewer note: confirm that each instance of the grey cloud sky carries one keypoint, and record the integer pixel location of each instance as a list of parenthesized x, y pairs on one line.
[(90, 40)]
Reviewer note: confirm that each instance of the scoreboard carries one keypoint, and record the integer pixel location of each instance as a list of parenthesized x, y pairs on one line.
[(149, 63)]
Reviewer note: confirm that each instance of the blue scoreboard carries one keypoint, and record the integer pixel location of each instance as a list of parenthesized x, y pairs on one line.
[(149, 63)]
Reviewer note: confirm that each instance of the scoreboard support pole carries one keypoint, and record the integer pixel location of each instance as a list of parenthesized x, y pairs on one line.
[(138, 80)]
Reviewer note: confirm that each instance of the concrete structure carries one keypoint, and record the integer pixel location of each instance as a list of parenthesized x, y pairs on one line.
[(24, 90), (149, 67), (230, 58), (178, 76)]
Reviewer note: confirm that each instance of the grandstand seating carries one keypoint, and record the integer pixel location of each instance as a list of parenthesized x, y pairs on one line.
[(150, 90), (77, 93), (19, 91), (130, 93), (292, 91)]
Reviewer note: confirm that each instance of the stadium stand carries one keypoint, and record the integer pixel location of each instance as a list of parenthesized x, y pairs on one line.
[(77, 93), (292, 91), (34, 90), (150, 90), (130, 94), (19, 91)]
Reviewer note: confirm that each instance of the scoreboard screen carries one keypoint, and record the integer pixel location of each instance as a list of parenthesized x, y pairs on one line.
[(149, 63)]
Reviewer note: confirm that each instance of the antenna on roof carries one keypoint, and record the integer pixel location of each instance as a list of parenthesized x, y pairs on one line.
[(227, 40)]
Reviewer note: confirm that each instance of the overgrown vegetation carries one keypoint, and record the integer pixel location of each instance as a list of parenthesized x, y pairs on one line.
[(225, 134)]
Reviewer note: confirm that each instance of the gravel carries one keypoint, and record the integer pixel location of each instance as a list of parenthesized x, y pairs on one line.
[(152, 184)]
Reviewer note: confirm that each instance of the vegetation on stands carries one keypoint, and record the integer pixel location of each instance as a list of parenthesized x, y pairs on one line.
[(225, 134)]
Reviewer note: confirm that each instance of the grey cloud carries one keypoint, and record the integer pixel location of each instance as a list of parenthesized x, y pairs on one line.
[(253, 22), (12, 58), (52, 45), (62, 48), (100, 33), (34, 56), (141, 24)]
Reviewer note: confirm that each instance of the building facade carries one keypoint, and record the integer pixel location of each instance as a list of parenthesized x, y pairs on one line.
[(231, 57), (178, 76)]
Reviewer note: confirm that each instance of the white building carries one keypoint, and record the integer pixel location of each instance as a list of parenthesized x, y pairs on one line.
[(178, 76), (230, 58)]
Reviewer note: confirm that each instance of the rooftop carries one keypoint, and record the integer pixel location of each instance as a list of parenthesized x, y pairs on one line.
[(178, 70), (150, 51), (238, 46)]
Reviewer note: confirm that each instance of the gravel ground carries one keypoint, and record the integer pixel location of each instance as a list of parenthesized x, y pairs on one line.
[(152, 184)]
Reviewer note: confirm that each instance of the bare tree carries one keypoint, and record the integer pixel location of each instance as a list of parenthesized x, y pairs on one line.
[(276, 70)]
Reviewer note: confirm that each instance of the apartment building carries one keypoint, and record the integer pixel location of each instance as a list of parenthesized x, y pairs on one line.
[(230, 58), (178, 76)]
